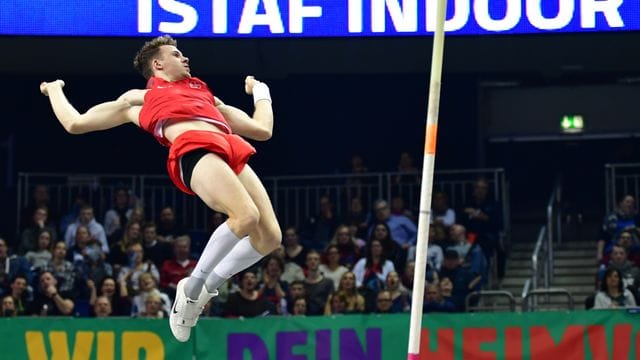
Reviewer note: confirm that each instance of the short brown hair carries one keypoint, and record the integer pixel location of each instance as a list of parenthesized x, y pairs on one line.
[(150, 49)]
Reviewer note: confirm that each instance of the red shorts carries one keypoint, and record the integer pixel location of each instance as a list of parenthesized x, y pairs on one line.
[(231, 148)]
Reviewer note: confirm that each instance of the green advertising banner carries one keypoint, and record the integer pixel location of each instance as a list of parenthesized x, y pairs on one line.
[(593, 335), (52, 338)]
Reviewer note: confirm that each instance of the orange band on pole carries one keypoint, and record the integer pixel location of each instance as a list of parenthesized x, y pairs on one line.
[(430, 144)]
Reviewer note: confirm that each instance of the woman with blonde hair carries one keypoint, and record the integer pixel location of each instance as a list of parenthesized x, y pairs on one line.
[(148, 288), (347, 287)]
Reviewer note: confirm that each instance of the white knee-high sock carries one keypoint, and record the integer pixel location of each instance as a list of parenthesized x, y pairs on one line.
[(222, 241), (239, 258)]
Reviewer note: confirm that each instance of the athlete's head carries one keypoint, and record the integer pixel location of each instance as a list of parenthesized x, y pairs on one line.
[(160, 57)]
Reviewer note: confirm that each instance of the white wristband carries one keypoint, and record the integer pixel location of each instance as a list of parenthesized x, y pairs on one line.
[(261, 92)]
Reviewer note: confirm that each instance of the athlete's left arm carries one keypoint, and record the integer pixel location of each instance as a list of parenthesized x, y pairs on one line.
[(134, 97), (260, 125)]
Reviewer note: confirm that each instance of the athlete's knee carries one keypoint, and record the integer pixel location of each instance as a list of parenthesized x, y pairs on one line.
[(272, 237), (246, 220)]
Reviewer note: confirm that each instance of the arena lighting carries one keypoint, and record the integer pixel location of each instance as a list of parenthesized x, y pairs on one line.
[(311, 18)]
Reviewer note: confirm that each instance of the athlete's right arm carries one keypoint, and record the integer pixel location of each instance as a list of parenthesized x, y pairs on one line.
[(100, 117)]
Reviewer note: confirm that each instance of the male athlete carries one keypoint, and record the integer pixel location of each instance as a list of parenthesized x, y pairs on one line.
[(206, 158)]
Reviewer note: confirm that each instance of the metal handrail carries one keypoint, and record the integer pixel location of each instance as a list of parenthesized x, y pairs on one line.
[(549, 291), (534, 258), (545, 241), (554, 201), (525, 289), (491, 293)]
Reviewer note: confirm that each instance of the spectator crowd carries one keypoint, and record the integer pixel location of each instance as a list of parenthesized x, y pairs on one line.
[(339, 261)]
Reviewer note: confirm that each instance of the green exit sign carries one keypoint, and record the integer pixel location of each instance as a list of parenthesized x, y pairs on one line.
[(572, 123)]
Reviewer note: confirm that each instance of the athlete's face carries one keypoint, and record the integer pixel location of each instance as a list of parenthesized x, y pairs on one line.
[(172, 63)]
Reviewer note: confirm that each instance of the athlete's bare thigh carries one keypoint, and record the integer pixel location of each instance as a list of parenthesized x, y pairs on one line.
[(220, 188), (268, 231)]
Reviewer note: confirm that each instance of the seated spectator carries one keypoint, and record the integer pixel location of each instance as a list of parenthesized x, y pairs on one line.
[(138, 215), (272, 288), (137, 266), (399, 294), (118, 257), (82, 245), (174, 270), (434, 301), (399, 207), (321, 226), (348, 248), (72, 215), (408, 173), (355, 302), (155, 250), (147, 286), (296, 290), (317, 287), (40, 199), (462, 278), (40, 256), (628, 241), (62, 269), (247, 301), (168, 226), (22, 297), (612, 293), (371, 272), (116, 217), (446, 289), (481, 217), (332, 270), (153, 308), (624, 217), (374, 266), (299, 307), (102, 307), (29, 236), (384, 303), (402, 230), (96, 230), (393, 251), (292, 271), (116, 294), (48, 301), (357, 217), (293, 250), (8, 307), (439, 236), (337, 303), (440, 210), (435, 254), (630, 272), (10, 267), (88, 259), (458, 240), (471, 255)]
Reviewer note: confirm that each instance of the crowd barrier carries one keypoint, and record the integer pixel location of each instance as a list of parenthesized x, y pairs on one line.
[(295, 198), (619, 180), (593, 335)]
